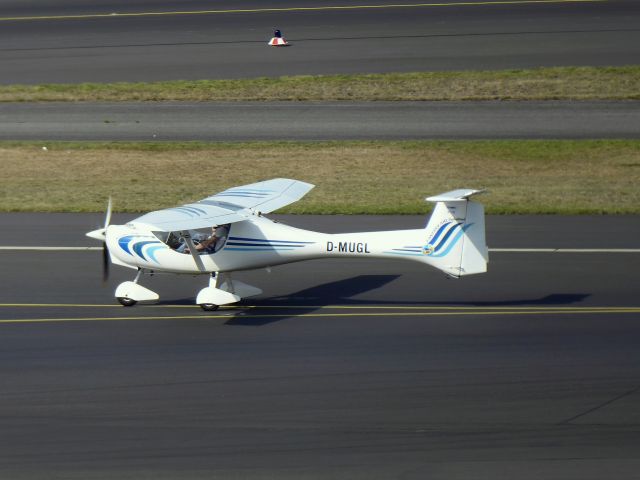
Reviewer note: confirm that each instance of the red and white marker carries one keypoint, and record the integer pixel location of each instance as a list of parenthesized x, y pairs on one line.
[(277, 40)]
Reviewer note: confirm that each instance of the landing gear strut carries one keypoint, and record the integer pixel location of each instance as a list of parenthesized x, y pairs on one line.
[(130, 293), (211, 297)]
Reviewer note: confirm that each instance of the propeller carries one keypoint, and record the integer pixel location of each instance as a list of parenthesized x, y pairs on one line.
[(101, 234), (105, 249), (107, 218), (105, 262)]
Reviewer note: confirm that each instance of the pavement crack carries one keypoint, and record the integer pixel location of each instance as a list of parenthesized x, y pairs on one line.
[(600, 406)]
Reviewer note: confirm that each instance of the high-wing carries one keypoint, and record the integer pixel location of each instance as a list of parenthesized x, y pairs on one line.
[(233, 205)]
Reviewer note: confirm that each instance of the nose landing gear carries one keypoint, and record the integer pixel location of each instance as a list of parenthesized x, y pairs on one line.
[(130, 293), (209, 307)]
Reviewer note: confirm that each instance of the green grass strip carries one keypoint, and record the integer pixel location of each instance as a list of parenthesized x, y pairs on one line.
[(561, 83), (523, 177)]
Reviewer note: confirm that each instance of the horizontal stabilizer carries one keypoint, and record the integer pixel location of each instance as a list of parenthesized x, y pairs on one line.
[(455, 195)]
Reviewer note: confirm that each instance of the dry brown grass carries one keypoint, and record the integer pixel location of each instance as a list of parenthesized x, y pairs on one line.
[(351, 177)]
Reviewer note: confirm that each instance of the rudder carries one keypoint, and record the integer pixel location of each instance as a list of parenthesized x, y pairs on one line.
[(456, 234)]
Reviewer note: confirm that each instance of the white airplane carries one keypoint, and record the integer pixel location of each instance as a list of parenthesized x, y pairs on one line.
[(173, 240)]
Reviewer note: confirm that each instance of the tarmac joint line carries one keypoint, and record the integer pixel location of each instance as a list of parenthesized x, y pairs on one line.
[(292, 9)]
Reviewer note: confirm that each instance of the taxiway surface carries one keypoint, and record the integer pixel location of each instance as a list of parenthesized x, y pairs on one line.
[(354, 369), (71, 41), (244, 121)]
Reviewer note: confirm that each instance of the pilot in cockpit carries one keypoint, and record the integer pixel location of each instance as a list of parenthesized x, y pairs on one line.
[(210, 244)]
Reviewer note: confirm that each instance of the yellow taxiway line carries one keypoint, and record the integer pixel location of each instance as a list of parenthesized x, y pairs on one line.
[(292, 9), (398, 311), (325, 307)]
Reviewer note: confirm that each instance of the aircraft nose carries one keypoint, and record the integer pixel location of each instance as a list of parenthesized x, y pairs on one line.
[(98, 234)]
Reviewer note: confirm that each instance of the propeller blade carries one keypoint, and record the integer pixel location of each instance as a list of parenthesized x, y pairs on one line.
[(107, 219), (105, 262), (105, 250), (101, 234)]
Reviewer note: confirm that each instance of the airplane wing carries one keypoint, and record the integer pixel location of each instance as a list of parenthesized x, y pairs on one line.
[(264, 196), (233, 205)]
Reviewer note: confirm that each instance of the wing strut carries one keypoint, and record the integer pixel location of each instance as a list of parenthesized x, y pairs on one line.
[(193, 251)]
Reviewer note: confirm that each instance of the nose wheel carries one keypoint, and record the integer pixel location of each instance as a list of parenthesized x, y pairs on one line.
[(126, 302), (209, 307)]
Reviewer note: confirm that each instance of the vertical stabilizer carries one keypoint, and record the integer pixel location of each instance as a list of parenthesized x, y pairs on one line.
[(456, 234)]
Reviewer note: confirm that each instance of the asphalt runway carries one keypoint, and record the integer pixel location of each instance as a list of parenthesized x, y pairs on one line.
[(73, 43), (246, 121), (354, 369)]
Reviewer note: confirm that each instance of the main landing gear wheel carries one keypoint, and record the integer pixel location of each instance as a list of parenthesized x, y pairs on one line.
[(209, 307), (127, 302)]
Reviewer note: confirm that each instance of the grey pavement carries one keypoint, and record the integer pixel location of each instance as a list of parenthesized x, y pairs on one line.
[(244, 121)]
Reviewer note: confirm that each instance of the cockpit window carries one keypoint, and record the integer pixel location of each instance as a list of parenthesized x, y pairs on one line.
[(206, 240)]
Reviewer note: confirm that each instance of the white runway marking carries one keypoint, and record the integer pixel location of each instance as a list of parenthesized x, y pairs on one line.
[(564, 250)]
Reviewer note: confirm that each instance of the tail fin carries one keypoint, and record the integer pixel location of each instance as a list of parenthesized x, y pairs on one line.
[(456, 234)]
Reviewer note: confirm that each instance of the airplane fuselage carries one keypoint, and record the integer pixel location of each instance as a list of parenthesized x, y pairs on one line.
[(259, 242)]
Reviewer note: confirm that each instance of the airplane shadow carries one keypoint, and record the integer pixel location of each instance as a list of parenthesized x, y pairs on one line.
[(329, 293), (333, 293), (341, 292)]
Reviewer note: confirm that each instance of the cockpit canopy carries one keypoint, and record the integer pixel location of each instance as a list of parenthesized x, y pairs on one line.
[(215, 237)]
